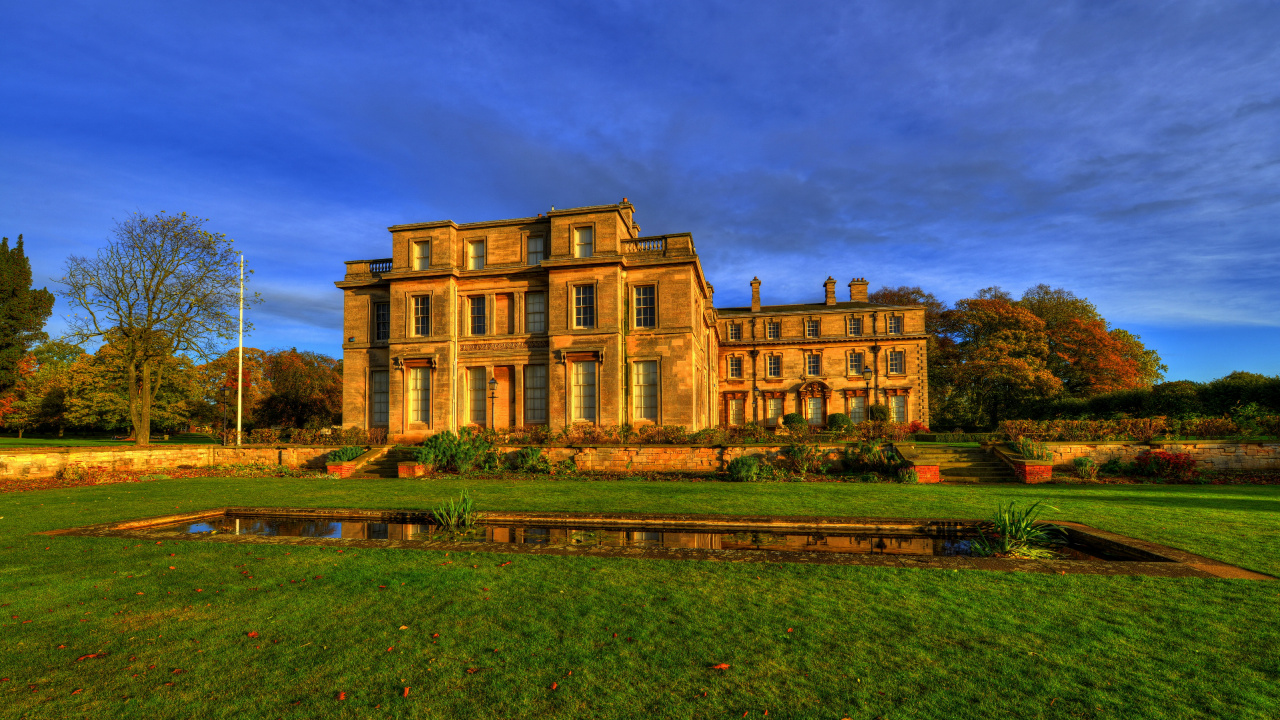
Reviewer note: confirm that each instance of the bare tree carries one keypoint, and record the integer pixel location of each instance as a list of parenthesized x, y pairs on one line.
[(163, 286)]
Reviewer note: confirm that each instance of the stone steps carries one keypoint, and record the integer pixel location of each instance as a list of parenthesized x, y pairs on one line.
[(965, 465)]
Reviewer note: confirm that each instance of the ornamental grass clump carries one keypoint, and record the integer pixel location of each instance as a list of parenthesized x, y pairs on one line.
[(530, 460), (457, 517), (1017, 534), (1032, 449)]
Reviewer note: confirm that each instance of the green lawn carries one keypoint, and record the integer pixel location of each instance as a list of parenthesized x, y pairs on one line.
[(802, 641)]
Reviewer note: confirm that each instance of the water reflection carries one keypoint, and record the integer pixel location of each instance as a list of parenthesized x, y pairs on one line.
[(951, 543)]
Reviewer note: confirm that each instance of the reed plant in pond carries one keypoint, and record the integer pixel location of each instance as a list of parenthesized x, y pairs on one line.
[(458, 516), (1017, 533)]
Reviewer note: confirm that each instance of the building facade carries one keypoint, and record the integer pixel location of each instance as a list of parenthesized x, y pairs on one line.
[(574, 317)]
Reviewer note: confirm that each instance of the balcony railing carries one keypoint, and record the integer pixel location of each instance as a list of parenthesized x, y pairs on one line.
[(635, 247), (380, 266)]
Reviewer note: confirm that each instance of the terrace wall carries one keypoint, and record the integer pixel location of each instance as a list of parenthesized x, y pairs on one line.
[(658, 458), (46, 462), (1208, 455)]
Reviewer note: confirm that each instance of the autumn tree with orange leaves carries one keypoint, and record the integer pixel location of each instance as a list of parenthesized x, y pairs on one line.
[(998, 362)]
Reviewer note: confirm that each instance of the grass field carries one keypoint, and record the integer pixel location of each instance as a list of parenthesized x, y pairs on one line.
[(170, 623)]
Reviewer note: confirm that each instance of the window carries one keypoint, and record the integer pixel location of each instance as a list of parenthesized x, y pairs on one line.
[(475, 378), (735, 367), (811, 327), (773, 366), (813, 364), (736, 411), (475, 255), (646, 307), (895, 324), (773, 330), (644, 390), (535, 393), (535, 312), (583, 242), (584, 391), (858, 409), (378, 382), (537, 249), (584, 306), (422, 315), (419, 395), (773, 410), (422, 255), (381, 321), (813, 406), (478, 315), (855, 363), (898, 408), (855, 325), (735, 331), (897, 361)]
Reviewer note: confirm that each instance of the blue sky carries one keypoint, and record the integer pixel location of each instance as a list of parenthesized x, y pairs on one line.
[(1129, 152)]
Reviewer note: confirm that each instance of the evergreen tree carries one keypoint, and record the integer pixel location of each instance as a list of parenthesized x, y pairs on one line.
[(23, 312)]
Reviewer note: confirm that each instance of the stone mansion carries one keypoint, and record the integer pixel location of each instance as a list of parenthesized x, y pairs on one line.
[(574, 317)]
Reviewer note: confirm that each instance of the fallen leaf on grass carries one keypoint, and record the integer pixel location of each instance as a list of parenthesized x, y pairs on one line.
[(178, 670), (505, 564), (554, 686), (91, 656), (342, 695), (721, 666), (76, 691), (406, 693), (253, 633), (436, 635), (472, 671)]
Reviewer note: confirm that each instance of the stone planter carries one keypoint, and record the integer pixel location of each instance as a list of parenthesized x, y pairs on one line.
[(410, 469), (1030, 472), (341, 469)]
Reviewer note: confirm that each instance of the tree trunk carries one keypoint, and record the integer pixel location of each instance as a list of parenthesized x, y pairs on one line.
[(144, 411), (135, 404)]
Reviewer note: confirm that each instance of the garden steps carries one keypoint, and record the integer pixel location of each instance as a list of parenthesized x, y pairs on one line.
[(385, 466), (964, 464)]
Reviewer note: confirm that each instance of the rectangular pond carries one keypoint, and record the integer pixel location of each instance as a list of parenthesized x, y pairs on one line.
[(892, 542)]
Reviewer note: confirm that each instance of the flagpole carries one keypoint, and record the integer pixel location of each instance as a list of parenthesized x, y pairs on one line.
[(240, 369)]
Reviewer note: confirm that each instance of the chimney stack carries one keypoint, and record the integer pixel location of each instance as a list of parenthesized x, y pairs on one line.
[(858, 290), (830, 287), (755, 294)]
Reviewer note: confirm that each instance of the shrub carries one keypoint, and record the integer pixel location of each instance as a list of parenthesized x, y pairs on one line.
[(1115, 467), (459, 453), (709, 436), (917, 427), (796, 423), (869, 457), (1161, 464), (878, 430), (377, 436), (530, 460), (803, 457), (345, 454), (744, 469), (908, 475), (264, 436), (1032, 450), (1086, 468), (878, 413), (751, 432), (674, 435), (838, 422)]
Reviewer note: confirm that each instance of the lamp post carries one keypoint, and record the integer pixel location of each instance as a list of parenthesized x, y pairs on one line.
[(493, 397)]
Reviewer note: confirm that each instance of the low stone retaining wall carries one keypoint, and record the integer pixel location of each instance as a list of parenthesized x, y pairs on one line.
[(46, 462), (1215, 455)]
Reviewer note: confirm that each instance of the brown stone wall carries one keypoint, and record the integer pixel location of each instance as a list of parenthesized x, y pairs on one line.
[(46, 462), (1208, 455)]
